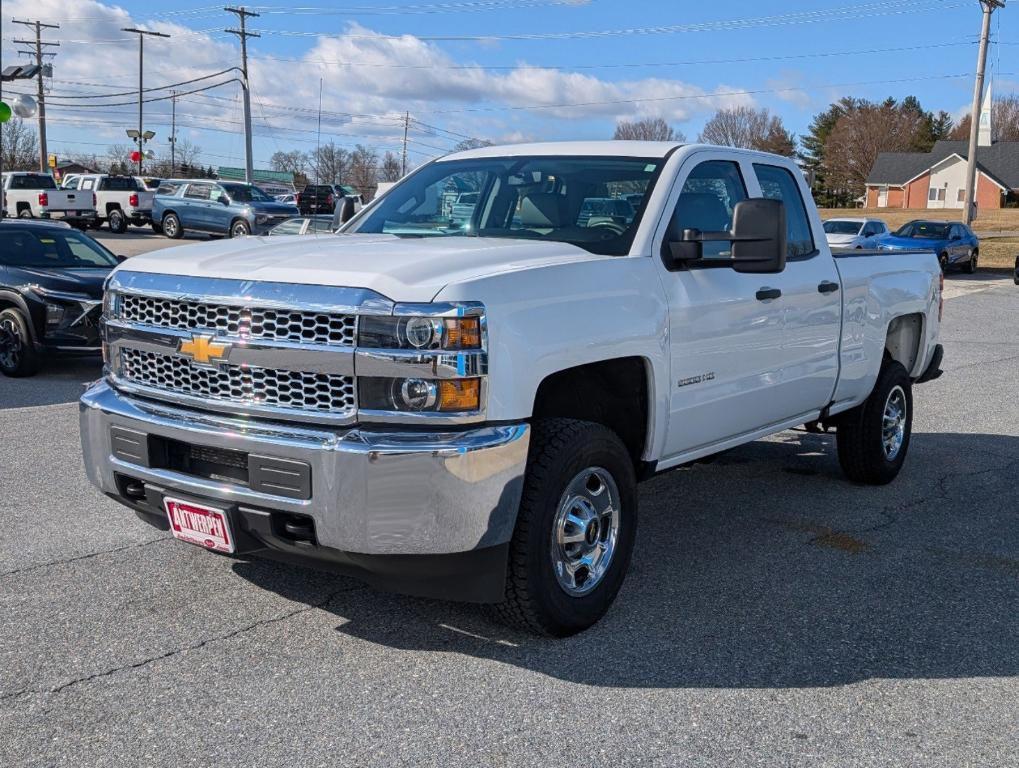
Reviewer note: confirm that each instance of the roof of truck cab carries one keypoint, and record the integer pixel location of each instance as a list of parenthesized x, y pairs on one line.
[(577, 148)]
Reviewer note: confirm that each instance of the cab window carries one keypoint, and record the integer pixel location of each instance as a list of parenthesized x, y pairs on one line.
[(707, 203)]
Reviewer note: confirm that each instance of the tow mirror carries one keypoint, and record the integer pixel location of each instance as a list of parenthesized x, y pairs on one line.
[(344, 212), (758, 238)]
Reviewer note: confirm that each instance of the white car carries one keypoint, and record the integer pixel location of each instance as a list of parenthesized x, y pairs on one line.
[(120, 200), (854, 233), (29, 195), (468, 417)]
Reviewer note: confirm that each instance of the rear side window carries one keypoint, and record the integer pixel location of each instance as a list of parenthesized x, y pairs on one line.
[(779, 184), (198, 192), (119, 184), (33, 181)]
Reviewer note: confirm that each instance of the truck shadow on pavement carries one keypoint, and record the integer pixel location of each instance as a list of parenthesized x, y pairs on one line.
[(767, 569), (60, 380)]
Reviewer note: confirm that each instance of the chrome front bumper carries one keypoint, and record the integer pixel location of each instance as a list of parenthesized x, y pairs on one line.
[(373, 491)]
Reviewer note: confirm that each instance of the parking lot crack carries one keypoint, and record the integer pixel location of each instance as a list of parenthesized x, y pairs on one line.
[(77, 558), (192, 647)]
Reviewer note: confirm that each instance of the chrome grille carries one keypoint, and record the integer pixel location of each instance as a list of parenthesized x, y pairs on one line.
[(246, 322), (318, 392)]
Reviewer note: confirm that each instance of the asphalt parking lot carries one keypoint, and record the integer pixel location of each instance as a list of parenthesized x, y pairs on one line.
[(774, 615)]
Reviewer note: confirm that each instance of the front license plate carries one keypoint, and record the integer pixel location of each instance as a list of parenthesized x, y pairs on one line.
[(197, 524)]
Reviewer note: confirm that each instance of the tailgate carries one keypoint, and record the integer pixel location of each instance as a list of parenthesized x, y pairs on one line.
[(69, 200)]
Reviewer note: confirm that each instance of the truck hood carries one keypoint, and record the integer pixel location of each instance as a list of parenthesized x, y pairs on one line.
[(401, 269)]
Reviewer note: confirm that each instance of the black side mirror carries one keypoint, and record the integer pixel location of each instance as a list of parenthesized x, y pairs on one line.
[(344, 212), (758, 239)]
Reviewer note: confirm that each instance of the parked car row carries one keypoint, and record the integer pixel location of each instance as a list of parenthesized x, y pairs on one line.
[(953, 242)]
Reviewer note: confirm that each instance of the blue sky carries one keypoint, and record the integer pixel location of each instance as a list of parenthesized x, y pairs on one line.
[(572, 82)]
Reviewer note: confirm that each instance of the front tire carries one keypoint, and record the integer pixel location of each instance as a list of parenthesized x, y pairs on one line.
[(240, 228), (575, 529), (117, 221), (18, 357), (873, 438), (943, 261), (171, 227)]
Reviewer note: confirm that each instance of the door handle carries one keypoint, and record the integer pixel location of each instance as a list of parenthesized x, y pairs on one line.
[(827, 287), (768, 293)]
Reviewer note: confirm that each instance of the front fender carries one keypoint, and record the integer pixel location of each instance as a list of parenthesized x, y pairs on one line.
[(546, 319)]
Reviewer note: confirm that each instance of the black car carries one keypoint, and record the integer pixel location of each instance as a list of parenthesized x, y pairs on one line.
[(51, 293), (318, 199)]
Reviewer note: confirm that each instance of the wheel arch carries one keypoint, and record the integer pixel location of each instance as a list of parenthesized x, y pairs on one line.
[(616, 393), (11, 300), (904, 339)]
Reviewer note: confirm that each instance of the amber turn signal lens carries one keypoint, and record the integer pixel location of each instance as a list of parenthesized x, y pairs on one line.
[(463, 333), (460, 395)]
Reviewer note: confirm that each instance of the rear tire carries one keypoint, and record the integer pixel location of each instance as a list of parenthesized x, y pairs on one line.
[(117, 221), (171, 227), (873, 438), (25, 213), (580, 486), (18, 357), (971, 265)]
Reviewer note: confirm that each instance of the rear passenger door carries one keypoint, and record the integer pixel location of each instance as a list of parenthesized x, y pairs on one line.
[(811, 298), (194, 213)]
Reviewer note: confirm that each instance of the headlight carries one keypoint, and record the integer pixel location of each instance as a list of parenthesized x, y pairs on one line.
[(54, 316), (420, 332), (420, 395)]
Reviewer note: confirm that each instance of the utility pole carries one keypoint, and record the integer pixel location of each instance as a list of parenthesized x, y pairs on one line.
[(243, 34), (140, 138), (173, 134), (989, 7), (406, 128), (39, 44)]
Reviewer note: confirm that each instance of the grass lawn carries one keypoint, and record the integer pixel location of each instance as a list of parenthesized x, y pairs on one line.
[(1000, 220), (995, 252)]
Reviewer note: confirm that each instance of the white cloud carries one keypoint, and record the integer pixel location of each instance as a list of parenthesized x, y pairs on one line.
[(359, 76)]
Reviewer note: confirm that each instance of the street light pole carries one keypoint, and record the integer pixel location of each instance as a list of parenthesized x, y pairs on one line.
[(141, 86), (989, 7)]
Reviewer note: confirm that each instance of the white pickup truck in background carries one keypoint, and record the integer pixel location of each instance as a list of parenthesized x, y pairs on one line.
[(120, 200), (35, 196), (462, 406)]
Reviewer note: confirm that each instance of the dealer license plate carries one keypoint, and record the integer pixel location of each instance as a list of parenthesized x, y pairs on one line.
[(197, 524)]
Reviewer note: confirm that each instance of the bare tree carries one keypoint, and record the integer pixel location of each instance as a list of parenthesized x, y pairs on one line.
[(749, 128), (187, 153), (118, 159), (330, 164), (295, 162), (364, 165), (1005, 118), (861, 134), (648, 129), (19, 146), (391, 169)]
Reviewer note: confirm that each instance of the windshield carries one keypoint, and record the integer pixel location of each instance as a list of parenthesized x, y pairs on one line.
[(842, 227), (925, 230), (51, 247), (242, 193), (577, 200)]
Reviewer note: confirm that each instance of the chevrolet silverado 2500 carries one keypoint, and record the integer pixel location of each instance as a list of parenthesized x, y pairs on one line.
[(462, 407), (35, 196)]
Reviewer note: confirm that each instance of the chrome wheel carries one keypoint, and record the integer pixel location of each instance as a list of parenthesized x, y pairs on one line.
[(170, 226), (893, 423), (585, 531)]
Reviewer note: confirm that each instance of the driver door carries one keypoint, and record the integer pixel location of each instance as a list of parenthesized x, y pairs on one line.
[(725, 335)]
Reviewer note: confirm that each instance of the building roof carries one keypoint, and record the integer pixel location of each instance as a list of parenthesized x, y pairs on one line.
[(1000, 161), (228, 173)]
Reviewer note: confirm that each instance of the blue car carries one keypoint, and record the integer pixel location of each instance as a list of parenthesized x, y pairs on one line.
[(954, 243), (218, 208)]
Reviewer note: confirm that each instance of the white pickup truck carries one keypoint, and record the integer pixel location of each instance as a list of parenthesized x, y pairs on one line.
[(461, 407), (120, 200), (35, 196)]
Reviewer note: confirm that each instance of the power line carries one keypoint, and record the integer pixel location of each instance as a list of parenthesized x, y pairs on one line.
[(144, 90)]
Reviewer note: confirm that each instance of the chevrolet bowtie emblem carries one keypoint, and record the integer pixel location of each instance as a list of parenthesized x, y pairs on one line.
[(203, 349)]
